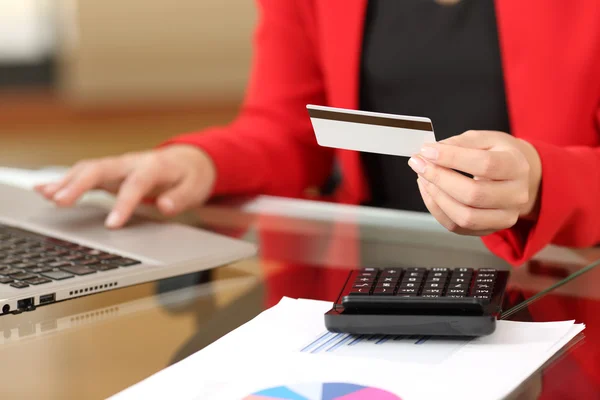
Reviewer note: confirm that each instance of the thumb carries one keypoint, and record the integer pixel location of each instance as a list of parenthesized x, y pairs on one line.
[(188, 193)]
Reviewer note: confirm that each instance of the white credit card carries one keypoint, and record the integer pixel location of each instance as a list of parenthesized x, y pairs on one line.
[(370, 132)]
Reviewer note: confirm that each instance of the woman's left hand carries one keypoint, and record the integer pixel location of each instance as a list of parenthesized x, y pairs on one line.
[(506, 179)]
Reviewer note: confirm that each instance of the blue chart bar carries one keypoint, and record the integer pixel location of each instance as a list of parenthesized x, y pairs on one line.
[(356, 340), (330, 342), (319, 340), (423, 339), (343, 340)]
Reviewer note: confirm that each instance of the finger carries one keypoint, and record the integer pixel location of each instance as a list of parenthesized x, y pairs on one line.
[(473, 139), (434, 209), (90, 177), (470, 218), (478, 193), (50, 189), (133, 190), (181, 197), (491, 164)]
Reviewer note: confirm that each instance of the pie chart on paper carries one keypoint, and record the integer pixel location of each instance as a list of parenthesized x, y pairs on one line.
[(323, 391)]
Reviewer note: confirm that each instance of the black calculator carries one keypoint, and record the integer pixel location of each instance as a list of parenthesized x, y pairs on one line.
[(419, 301)]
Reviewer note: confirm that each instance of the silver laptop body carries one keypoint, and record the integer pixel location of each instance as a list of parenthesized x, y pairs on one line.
[(32, 230)]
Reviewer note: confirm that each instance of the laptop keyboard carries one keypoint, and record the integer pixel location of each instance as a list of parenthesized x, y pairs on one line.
[(28, 258)]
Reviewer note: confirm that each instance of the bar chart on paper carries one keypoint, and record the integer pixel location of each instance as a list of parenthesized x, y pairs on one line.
[(323, 391), (410, 349)]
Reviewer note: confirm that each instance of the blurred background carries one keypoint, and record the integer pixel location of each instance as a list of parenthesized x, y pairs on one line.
[(87, 78)]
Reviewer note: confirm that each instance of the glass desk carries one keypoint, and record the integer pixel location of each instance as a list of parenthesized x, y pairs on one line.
[(95, 346)]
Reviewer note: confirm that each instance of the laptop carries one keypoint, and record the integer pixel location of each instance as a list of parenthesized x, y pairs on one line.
[(50, 254)]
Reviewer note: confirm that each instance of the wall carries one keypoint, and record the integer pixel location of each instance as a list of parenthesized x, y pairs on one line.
[(155, 50)]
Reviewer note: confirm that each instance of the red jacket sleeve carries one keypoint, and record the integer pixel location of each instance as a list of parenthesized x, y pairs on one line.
[(270, 148), (569, 210)]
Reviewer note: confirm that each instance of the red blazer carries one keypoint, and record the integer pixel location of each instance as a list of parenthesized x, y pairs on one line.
[(308, 51)]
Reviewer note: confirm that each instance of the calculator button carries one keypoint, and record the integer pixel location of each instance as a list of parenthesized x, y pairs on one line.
[(362, 285), (403, 291), (437, 275), (434, 285), (410, 285), (456, 292), (391, 272), (383, 291), (416, 269), (485, 286), (461, 286), (367, 274), (368, 269), (360, 291)]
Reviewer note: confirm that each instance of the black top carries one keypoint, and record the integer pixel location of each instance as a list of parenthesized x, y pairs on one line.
[(425, 59)]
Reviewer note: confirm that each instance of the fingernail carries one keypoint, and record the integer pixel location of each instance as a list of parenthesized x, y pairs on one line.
[(167, 204), (417, 164), (61, 195), (112, 220), (429, 152)]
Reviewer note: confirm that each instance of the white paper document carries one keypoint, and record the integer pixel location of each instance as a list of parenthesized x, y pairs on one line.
[(286, 353)]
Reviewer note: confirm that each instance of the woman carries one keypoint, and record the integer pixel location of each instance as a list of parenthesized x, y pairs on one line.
[(520, 79)]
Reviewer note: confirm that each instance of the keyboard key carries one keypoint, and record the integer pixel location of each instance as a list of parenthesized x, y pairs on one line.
[(434, 285), (125, 262), (38, 270), (385, 285), (38, 281), (388, 279), (492, 270), (431, 295), (19, 285), (464, 275), (57, 275), (107, 256), (469, 270), (460, 280), (440, 269), (414, 274), (368, 269), (485, 280), (383, 291), (355, 286), (367, 275), (435, 291), (410, 285), (486, 275), (23, 276), (437, 275), (6, 279), (79, 270), (411, 279), (108, 267), (10, 271), (58, 264), (74, 257), (24, 265), (416, 269), (358, 280), (88, 262)]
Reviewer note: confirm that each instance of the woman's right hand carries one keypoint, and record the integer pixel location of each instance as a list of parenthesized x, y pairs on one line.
[(178, 177)]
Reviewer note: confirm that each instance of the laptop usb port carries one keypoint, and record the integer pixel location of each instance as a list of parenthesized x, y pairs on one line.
[(47, 298)]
